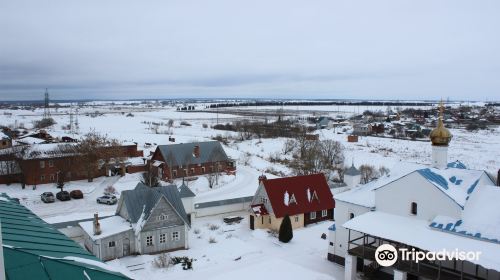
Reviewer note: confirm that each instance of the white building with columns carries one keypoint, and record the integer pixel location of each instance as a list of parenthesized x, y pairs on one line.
[(444, 206)]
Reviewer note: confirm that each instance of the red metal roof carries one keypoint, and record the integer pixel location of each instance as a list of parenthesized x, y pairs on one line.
[(305, 194)]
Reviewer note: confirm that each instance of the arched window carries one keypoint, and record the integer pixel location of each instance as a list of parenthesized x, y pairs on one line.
[(414, 208), (351, 216)]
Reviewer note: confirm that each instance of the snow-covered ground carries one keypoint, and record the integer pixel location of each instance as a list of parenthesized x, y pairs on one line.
[(261, 256), (240, 253)]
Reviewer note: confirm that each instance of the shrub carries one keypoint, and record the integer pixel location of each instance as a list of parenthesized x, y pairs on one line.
[(162, 261), (43, 123), (212, 240), (186, 262), (286, 231), (196, 231), (205, 125), (213, 227)]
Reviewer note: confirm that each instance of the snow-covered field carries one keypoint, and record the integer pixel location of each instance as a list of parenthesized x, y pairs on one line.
[(261, 256)]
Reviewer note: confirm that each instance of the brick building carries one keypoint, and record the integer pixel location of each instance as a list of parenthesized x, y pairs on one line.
[(45, 163), (190, 159)]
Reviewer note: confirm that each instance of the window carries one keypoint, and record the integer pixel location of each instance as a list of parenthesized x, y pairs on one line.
[(331, 243), (52, 177), (162, 217), (351, 216), (269, 219), (263, 200), (192, 170), (51, 163), (186, 172), (203, 169), (262, 220), (175, 236), (324, 213), (296, 219), (149, 240), (414, 209), (292, 199), (111, 244), (42, 164), (42, 178), (175, 173), (312, 215), (163, 238)]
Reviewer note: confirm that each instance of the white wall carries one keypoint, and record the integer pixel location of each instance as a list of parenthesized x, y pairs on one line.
[(341, 215), (396, 198)]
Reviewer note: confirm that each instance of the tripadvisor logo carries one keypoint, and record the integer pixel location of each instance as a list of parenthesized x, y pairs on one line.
[(387, 255)]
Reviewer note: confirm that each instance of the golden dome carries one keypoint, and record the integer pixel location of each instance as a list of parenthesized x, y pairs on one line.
[(440, 136)]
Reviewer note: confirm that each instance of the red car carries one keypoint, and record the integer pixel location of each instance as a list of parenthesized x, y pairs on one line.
[(76, 194)]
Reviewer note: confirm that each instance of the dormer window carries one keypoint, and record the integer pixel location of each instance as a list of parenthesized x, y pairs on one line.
[(414, 208), (292, 199)]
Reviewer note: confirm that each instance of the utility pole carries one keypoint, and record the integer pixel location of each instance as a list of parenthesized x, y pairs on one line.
[(46, 111)]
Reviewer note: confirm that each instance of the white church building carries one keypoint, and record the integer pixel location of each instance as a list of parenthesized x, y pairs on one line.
[(421, 208)]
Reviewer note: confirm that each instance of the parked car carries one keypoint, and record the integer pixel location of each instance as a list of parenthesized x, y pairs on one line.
[(107, 199), (47, 197), (76, 194), (63, 196)]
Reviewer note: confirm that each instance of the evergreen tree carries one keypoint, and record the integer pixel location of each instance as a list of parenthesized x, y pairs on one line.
[(286, 231)]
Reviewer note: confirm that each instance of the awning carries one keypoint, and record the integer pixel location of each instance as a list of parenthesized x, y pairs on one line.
[(259, 210)]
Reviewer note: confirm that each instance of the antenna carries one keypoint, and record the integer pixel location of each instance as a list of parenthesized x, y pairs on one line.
[(46, 111)]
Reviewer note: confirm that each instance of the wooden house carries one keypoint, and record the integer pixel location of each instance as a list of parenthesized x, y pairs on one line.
[(147, 221)]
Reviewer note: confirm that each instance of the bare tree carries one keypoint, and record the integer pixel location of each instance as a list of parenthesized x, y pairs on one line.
[(289, 146), (368, 173), (96, 150), (211, 180), (150, 177)]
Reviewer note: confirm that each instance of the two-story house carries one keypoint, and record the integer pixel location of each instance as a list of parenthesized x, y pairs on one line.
[(147, 221), (306, 199)]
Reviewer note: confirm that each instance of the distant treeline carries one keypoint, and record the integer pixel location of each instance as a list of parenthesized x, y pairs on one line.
[(316, 103)]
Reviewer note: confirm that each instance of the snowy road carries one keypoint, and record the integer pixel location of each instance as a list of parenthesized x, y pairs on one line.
[(244, 184)]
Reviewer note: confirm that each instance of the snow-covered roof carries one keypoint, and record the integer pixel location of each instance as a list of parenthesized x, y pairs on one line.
[(31, 140), (109, 226), (3, 135), (456, 183), (456, 164), (417, 233), (364, 195), (474, 223)]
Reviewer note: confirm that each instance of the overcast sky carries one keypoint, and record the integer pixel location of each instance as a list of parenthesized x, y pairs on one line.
[(421, 49)]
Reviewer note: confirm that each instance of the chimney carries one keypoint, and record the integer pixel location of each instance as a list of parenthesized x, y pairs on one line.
[(262, 178), (97, 226), (196, 151)]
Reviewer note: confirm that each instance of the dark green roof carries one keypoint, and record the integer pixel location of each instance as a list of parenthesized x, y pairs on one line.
[(34, 249)]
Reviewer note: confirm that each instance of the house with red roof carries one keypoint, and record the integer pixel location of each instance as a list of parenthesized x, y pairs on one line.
[(306, 199)]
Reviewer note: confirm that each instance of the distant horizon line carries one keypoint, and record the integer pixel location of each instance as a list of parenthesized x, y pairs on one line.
[(241, 99)]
